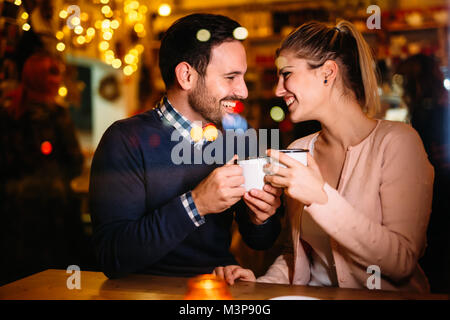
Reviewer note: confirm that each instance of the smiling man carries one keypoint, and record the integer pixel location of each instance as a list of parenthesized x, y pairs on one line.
[(153, 216)]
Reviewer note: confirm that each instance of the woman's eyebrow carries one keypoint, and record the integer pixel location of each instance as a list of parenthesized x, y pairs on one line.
[(280, 71)]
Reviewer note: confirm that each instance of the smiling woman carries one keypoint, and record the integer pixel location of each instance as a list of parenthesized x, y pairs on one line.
[(363, 201)]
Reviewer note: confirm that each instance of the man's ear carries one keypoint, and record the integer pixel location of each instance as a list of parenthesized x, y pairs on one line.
[(186, 75)]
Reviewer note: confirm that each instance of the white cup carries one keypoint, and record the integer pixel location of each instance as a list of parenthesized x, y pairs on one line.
[(253, 172), (298, 154)]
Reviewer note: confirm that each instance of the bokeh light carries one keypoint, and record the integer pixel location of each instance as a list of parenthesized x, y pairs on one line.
[(203, 35), (46, 148), (277, 114), (196, 133), (164, 10), (210, 132), (240, 33)]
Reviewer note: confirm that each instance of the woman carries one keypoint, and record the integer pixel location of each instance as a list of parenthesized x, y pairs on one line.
[(363, 202)]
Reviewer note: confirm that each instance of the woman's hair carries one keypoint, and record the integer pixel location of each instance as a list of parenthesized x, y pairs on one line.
[(317, 43)]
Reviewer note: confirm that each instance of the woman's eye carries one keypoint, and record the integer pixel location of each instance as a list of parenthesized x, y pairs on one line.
[(230, 78), (285, 74)]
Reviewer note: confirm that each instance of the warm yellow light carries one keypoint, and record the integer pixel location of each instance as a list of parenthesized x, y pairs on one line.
[(26, 27), (133, 67), (59, 35), (134, 5), (129, 58), (24, 16), (128, 70), (196, 133), (18, 2), (63, 14), (60, 46), (106, 24), (132, 15), (143, 9), (115, 24), (109, 14), (164, 10), (116, 63), (104, 1), (106, 9), (84, 16), (203, 35), (107, 35), (139, 48), (81, 39), (109, 53), (210, 133), (109, 59), (90, 32), (78, 30), (98, 24), (103, 46), (138, 27), (134, 52), (75, 21), (240, 33), (62, 91)]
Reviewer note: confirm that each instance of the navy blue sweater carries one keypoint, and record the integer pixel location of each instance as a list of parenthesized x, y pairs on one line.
[(140, 224)]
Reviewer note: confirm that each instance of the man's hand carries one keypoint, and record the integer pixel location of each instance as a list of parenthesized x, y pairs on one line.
[(234, 272), (220, 190), (263, 203)]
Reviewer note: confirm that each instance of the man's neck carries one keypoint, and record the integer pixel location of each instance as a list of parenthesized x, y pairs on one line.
[(179, 100)]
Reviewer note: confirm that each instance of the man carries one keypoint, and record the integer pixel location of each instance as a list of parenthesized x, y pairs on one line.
[(151, 215)]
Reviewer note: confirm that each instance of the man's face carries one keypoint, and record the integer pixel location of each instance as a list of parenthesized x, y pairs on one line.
[(215, 93)]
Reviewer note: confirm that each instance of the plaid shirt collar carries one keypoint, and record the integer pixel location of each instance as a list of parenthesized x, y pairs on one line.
[(175, 119)]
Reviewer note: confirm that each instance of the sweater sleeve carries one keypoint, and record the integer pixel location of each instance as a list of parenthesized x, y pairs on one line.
[(396, 243), (127, 235)]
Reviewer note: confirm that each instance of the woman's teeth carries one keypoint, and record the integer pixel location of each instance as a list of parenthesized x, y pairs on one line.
[(289, 101)]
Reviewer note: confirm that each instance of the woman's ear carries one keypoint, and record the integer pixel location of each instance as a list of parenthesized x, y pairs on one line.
[(329, 71), (185, 75)]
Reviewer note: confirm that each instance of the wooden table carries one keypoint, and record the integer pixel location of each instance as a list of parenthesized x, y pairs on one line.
[(52, 285)]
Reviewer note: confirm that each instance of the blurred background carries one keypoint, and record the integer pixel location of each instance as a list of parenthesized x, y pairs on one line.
[(101, 65)]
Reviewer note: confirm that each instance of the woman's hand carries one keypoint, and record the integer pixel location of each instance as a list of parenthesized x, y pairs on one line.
[(303, 183), (233, 272)]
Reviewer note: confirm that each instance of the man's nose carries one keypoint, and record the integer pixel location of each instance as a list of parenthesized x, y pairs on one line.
[(241, 89)]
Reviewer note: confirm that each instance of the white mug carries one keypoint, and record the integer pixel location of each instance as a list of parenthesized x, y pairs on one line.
[(298, 154), (253, 172)]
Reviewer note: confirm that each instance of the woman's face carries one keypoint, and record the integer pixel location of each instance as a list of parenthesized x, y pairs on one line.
[(302, 88)]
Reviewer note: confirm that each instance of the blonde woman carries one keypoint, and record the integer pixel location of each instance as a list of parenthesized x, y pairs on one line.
[(363, 202)]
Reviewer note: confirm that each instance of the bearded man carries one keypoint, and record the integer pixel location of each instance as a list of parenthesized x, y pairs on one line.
[(153, 216)]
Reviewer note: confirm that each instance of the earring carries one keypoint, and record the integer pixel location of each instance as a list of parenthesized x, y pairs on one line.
[(325, 81)]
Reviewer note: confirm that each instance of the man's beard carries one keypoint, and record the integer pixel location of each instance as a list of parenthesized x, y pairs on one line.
[(204, 104)]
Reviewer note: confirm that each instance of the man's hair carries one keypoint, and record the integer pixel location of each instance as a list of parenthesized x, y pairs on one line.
[(180, 43)]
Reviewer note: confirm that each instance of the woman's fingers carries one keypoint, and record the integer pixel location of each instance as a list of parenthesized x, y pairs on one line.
[(233, 272)]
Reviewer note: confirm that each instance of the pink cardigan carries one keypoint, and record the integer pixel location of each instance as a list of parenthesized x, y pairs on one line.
[(378, 216)]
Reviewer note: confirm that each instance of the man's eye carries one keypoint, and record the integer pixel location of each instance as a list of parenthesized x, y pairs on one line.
[(230, 78)]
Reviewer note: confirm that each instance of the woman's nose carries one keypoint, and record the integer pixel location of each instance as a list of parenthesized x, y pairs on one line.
[(280, 90)]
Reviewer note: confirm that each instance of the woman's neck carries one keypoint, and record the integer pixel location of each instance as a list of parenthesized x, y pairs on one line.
[(346, 126)]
